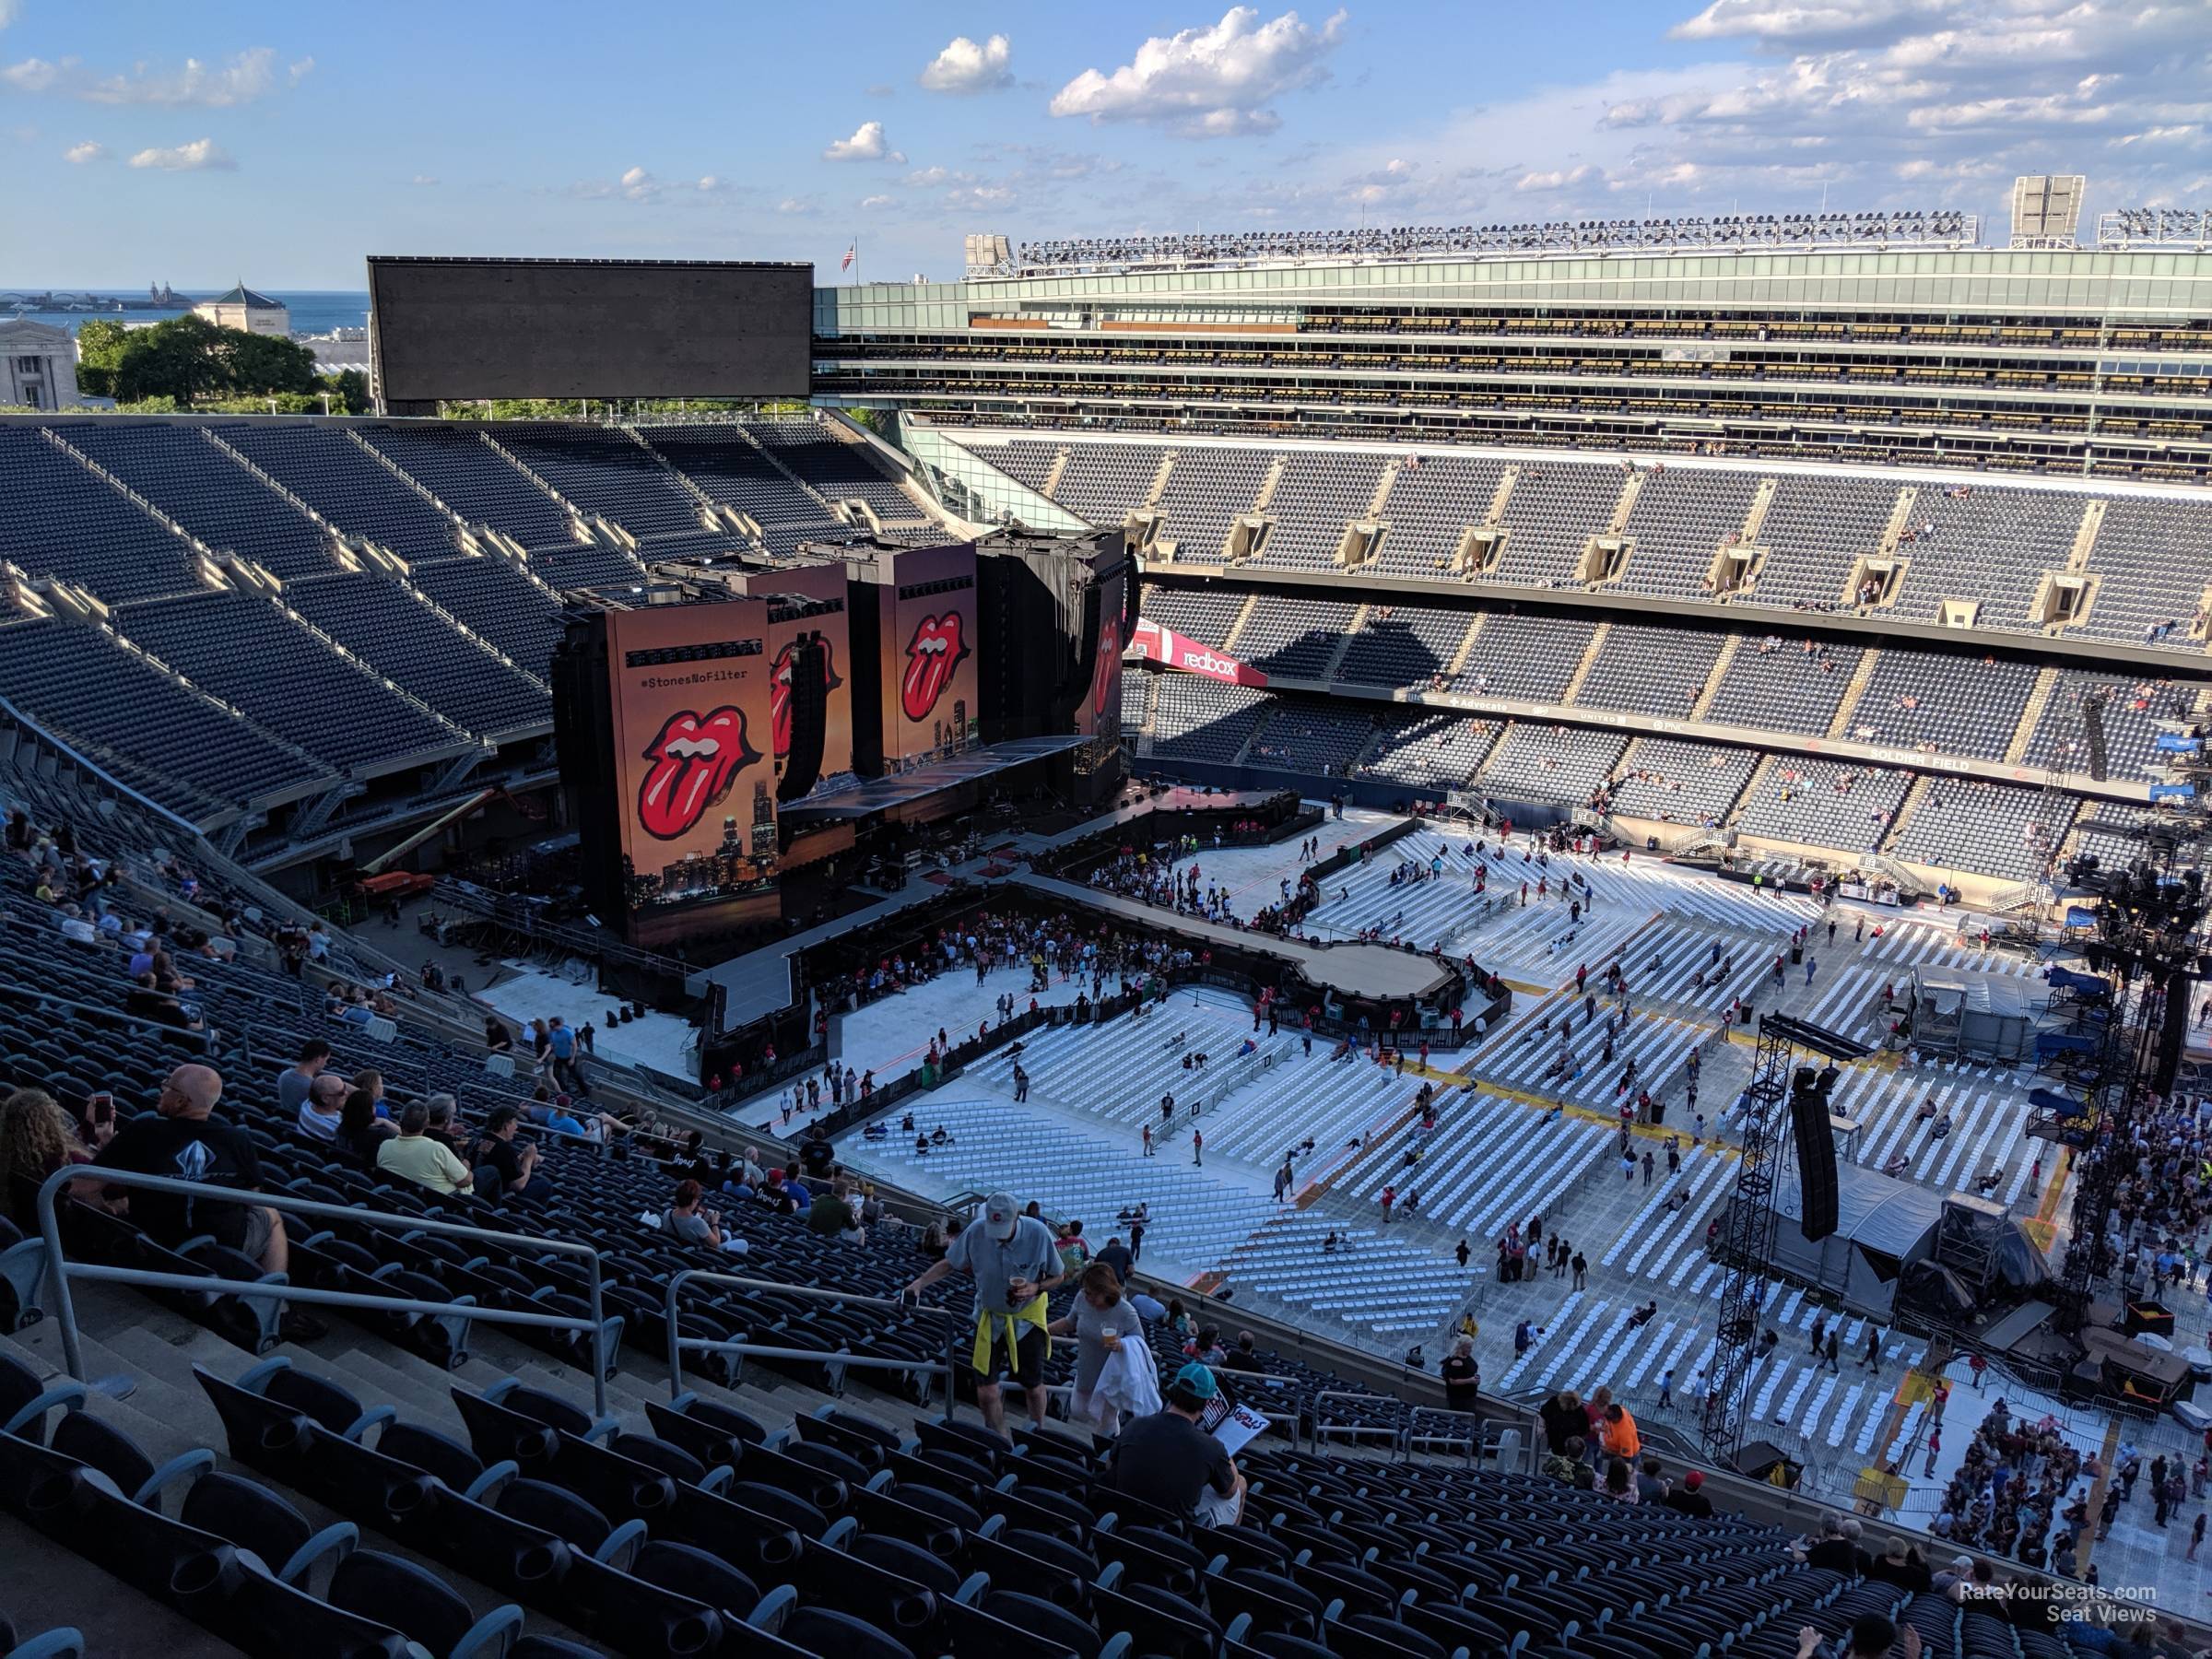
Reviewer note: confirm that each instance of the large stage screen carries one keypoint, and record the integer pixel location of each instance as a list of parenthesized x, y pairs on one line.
[(692, 718), (929, 645), (810, 599), (462, 329)]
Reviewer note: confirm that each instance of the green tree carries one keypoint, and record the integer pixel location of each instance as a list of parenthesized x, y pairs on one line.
[(264, 363), (99, 342)]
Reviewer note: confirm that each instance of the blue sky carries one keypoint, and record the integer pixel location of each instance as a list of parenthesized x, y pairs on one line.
[(203, 143)]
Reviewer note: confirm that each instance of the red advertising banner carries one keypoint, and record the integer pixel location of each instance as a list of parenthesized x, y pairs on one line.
[(929, 666), (1171, 649), (692, 723)]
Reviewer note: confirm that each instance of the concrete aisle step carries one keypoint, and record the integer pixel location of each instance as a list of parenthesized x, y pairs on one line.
[(165, 1393), (368, 1373), (44, 1585)]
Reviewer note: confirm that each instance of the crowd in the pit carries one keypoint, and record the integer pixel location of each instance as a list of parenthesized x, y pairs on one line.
[(2023, 1489), (1136, 873), (1058, 946)]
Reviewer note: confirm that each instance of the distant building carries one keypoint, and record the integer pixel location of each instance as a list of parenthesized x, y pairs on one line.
[(242, 307), (38, 365)]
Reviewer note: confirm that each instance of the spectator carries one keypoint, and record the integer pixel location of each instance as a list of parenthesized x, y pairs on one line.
[(1620, 1481), (1568, 1462), (1206, 1348), (1012, 1262), (185, 1143), (293, 1080), (684, 1220), (372, 1083), (1244, 1357), (445, 1118), (361, 1132), (816, 1155), (1463, 1377), (497, 1038), (1838, 1548), (1902, 1567), (1115, 1254), (36, 1140), (1564, 1419), (1617, 1433), (1871, 1638), (1651, 1485), (831, 1216), (1100, 1320), (1167, 1460), (515, 1166), (413, 1155), (322, 1107), (1689, 1495)]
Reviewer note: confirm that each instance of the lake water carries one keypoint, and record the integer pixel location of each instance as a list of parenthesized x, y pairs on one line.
[(314, 311)]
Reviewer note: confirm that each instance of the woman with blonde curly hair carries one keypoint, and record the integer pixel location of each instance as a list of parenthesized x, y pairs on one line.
[(36, 1140)]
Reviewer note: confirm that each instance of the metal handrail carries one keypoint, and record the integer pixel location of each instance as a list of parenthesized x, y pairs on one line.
[(63, 1270), (678, 1344), (1399, 1435)]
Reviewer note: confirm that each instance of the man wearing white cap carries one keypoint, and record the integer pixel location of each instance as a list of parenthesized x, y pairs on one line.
[(1015, 1263)]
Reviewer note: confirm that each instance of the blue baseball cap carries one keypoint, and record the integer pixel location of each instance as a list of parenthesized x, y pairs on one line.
[(1196, 1381)]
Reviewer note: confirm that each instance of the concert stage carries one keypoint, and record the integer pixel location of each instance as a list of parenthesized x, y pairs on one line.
[(885, 797)]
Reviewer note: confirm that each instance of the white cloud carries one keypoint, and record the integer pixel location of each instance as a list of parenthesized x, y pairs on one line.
[(798, 205), (1555, 179), (1800, 20), (300, 71), (707, 183), (866, 145), (199, 156), (242, 80), (965, 66), (423, 181), (78, 155), (8, 12), (32, 75), (869, 204), (1210, 82)]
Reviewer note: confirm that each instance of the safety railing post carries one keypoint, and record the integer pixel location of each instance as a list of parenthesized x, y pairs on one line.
[(60, 1270), (601, 1359), (678, 1344)]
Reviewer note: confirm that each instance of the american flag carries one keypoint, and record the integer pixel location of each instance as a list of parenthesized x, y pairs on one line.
[(846, 264)]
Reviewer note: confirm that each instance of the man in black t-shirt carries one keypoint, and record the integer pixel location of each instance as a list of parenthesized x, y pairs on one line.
[(1689, 1496), (817, 1155), (1167, 1460), (1463, 1377), (517, 1166), (185, 1144)]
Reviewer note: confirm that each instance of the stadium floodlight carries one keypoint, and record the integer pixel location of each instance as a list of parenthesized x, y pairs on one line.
[(2155, 228), (1687, 233)]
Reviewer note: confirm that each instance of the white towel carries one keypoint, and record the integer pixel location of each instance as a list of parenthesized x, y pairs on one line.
[(1130, 1383)]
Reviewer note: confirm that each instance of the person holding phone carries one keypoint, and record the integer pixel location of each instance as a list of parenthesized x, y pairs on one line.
[(36, 1140)]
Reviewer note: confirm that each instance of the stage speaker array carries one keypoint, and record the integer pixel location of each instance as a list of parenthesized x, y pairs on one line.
[(2092, 730), (809, 717), (1809, 1091)]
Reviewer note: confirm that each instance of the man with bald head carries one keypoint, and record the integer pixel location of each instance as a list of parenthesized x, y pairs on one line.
[(183, 1142)]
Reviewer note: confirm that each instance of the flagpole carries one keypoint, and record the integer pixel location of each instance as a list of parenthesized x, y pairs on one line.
[(857, 262)]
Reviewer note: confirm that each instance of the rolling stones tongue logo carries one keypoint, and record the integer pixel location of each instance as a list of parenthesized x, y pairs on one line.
[(1109, 664), (694, 759), (931, 654), (779, 691)]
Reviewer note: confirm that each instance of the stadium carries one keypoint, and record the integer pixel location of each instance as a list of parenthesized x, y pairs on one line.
[(1569, 852)]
